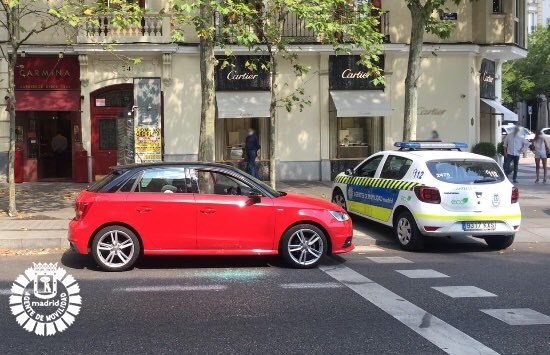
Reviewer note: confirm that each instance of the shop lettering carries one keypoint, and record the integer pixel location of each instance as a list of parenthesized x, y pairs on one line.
[(349, 74), (44, 72), (233, 75), (488, 78), (431, 111)]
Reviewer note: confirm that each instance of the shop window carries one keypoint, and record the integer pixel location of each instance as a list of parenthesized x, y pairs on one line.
[(395, 167), (115, 98), (234, 131), (497, 6), (358, 137)]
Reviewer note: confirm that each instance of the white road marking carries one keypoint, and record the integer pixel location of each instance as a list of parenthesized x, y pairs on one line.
[(433, 329), (518, 316), (422, 274), (171, 288), (389, 260), (5, 292), (463, 291), (367, 249), (313, 285)]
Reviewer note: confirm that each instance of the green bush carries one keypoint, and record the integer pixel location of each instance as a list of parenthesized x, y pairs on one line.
[(485, 148)]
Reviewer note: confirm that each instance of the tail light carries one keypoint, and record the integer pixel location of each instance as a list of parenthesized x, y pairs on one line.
[(428, 194), (515, 194), (80, 209)]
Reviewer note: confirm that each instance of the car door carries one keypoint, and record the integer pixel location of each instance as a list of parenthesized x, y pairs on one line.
[(385, 190), (227, 220), (359, 187), (162, 209)]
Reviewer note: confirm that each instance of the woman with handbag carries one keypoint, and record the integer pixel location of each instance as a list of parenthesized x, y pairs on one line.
[(541, 148)]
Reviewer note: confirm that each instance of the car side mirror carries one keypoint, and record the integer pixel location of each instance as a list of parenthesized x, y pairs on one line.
[(349, 172), (254, 197)]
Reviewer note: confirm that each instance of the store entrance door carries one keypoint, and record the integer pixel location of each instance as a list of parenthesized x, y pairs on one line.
[(54, 150), (107, 105)]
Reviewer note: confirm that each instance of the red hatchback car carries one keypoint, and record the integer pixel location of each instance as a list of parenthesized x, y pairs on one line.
[(201, 209)]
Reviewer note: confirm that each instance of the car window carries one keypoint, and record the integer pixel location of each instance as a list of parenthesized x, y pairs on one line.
[(395, 167), (368, 169), (465, 171), (217, 183), (164, 180), (546, 131)]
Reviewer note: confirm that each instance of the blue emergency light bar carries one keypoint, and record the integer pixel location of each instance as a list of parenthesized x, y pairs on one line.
[(430, 145)]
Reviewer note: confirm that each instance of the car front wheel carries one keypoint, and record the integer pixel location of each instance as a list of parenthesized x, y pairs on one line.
[(115, 248), (303, 246), (407, 232), (499, 241), (339, 199)]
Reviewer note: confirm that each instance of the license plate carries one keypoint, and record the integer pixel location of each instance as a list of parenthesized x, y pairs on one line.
[(479, 226)]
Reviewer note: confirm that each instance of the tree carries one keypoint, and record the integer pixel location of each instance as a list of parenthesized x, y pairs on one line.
[(422, 20), (22, 20), (524, 79)]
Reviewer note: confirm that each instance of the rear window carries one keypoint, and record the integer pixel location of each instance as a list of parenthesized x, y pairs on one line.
[(466, 171), (99, 184)]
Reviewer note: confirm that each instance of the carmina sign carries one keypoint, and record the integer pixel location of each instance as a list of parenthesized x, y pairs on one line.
[(345, 73), (47, 73), (242, 73)]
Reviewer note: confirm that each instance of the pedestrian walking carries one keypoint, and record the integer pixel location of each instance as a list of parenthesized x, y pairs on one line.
[(59, 147), (514, 145), (541, 148), (251, 147)]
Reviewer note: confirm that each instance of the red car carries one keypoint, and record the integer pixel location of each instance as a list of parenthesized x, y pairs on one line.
[(201, 209)]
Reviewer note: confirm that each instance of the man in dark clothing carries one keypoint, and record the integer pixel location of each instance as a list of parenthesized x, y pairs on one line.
[(251, 147)]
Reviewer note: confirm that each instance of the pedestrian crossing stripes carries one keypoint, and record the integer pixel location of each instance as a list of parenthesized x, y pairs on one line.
[(376, 182)]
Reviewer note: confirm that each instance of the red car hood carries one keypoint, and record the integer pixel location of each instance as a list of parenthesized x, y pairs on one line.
[(303, 201)]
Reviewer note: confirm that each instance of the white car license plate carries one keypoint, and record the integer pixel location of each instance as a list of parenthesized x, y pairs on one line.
[(479, 226)]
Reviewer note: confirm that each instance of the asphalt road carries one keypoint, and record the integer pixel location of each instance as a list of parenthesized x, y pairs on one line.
[(351, 304)]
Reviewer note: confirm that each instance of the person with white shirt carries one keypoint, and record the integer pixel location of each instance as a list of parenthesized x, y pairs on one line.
[(541, 148), (514, 145)]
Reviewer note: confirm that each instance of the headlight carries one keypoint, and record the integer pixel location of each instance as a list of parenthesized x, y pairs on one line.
[(339, 216)]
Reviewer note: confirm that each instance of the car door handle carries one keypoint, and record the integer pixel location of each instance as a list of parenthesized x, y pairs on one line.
[(208, 211), (143, 209)]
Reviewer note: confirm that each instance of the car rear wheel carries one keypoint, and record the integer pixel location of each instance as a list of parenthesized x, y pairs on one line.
[(499, 241), (115, 248), (407, 232), (339, 199), (303, 246)]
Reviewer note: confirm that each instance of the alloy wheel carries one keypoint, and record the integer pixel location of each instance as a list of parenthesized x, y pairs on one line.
[(305, 247), (404, 232), (339, 200), (115, 248)]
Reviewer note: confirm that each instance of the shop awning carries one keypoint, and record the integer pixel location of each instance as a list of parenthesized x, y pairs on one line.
[(507, 114), (240, 104), (360, 103), (37, 100)]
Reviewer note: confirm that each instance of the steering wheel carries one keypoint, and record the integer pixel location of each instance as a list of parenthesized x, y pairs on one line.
[(234, 190)]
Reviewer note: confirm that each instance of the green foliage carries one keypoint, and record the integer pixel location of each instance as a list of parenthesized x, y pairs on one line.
[(500, 148), (430, 11), (485, 148), (524, 79)]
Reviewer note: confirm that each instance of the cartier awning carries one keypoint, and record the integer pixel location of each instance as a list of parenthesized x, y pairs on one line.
[(360, 103), (240, 104), (507, 115), (37, 100)]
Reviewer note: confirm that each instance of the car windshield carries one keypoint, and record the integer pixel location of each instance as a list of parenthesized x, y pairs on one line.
[(265, 186), (99, 184), (465, 171)]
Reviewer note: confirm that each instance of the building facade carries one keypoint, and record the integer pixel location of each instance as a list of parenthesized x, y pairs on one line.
[(538, 14), (97, 101)]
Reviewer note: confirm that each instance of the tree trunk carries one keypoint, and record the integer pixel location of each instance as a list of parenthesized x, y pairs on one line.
[(272, 123), (12, 210), (413, 72), (208, 90)]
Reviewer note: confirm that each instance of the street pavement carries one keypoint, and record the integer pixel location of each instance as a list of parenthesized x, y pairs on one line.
[(456, 296)]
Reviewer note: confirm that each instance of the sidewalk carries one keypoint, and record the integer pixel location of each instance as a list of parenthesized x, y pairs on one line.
[(46, 208)]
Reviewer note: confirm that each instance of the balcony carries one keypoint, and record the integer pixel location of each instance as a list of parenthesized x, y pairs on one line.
[(295, 30), (151, 29)]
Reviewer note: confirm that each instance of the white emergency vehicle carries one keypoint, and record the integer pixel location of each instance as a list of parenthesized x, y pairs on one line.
[(435, 189)]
